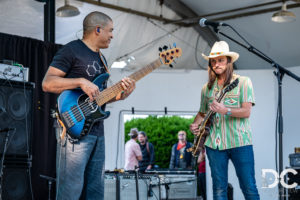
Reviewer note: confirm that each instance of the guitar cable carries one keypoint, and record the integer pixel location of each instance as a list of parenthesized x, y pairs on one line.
[(61, 144)]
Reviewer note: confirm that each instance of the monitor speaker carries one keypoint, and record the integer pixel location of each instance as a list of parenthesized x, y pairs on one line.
[(16, 183), (16, 105)]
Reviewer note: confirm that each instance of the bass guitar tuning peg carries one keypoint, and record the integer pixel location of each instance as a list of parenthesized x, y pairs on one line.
[(165, 47), (160, 49)]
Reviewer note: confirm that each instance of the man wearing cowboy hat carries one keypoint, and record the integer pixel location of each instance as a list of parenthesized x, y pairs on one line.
[(230, 134)]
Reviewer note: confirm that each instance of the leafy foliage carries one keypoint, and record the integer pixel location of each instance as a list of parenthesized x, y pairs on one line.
[(162, 133)]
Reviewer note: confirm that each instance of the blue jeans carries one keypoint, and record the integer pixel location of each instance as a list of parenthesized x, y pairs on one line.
[(80, 169), (243, 161)]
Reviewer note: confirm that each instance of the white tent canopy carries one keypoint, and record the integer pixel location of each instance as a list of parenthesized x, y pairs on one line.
[(278, 40), (133, 35)]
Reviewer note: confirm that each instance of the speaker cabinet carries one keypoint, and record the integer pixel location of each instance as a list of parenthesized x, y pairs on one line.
[(16, 104), (16, 184)]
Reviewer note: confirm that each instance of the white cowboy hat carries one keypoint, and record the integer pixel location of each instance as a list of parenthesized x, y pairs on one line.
[(221, 48)]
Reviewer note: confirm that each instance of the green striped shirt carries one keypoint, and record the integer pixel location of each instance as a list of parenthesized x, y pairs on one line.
[(229, 132)]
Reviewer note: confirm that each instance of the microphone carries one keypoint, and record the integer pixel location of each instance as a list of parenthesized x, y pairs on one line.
[(204, 22)]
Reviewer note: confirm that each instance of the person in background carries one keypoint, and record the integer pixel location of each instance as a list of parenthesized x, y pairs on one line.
[(133, 152), (180, 158), (147, 149)]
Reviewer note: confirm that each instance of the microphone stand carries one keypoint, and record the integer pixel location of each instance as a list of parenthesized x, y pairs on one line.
[(150, 191), (50, 180), (137, 182), (279, 73)]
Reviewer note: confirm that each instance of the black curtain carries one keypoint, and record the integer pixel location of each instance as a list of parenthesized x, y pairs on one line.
[(36, 55)]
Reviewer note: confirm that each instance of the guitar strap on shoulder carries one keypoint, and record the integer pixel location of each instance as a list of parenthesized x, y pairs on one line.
[(147, 146), (103, 60)]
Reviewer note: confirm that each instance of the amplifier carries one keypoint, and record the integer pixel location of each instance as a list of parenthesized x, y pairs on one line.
[(178, 186), (14, 73), (145, 182), (122, 186), (111, 186)]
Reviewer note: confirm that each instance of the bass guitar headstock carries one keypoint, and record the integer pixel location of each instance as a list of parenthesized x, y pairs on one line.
[(167, 56)]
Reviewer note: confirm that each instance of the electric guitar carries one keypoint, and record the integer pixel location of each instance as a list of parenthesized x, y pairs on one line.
[(207, 122), (77, 113)]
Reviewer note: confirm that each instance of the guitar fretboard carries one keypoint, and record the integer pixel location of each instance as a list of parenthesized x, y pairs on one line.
[(112, 91)]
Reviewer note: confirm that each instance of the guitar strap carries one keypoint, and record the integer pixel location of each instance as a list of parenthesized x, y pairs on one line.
[(147, 146), (103, 60), (118, 97)]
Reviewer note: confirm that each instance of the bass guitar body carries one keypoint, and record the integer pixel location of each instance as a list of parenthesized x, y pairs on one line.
[(76, 111)]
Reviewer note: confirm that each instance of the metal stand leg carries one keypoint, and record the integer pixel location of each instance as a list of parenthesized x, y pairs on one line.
[(137, 182), (50, 180)]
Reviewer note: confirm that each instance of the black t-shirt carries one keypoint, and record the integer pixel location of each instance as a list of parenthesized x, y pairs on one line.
[(148, 157), (79, 61)]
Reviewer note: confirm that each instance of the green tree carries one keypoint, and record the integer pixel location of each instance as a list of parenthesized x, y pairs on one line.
[(162, 133)]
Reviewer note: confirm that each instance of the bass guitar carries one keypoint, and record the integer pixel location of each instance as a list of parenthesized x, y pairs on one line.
[(77, 113), (207, 122)]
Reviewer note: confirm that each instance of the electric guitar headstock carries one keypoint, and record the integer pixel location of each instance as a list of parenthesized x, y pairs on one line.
[(228, 88), (167, 56), (231, 86)]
